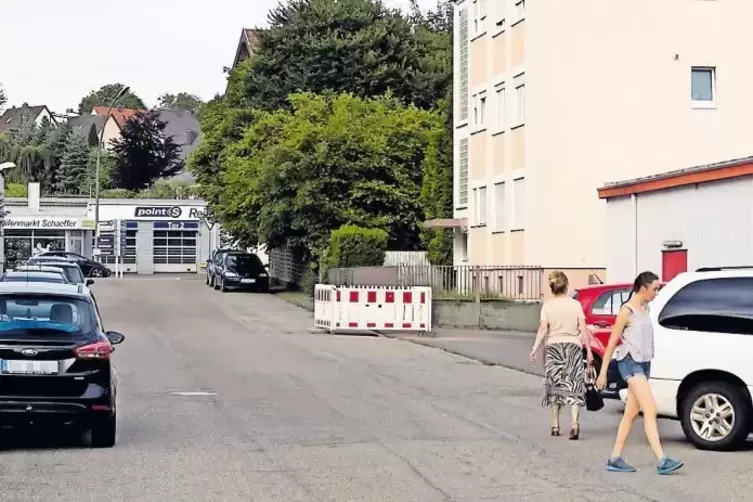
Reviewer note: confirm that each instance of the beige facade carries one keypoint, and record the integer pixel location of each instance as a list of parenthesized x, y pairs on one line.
[(563, 97), (112, 132)]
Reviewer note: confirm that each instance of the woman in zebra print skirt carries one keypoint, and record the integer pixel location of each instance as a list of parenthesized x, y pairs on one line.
[(563, 331)]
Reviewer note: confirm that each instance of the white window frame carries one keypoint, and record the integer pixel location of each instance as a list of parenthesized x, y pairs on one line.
[(704, 105), (462, 188), (519, 11), (519, 111), (500, 210), (499, 16), (479, 206), (500, 108), (516, 224), (476, 18)]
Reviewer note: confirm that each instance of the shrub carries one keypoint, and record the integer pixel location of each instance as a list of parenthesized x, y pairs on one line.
[(15, 190), (117, 193), (352, 246)]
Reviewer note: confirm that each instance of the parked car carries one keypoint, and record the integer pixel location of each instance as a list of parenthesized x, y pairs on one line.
[(214, 258), (239, 270), (33, 276), (89, 267), (701, 372), (42, 268), (72, 271), (55, 360)]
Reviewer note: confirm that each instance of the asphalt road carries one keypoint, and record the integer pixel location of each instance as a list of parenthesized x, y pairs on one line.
[(289, 415)]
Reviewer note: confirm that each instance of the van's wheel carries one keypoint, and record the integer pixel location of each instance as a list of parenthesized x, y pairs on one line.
[(716, 415)]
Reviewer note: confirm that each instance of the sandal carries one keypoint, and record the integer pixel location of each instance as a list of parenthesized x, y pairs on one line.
[(575, 432), (555, 431)]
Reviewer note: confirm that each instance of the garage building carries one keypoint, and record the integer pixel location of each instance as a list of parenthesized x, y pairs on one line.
[(160, 235), (681, 220)]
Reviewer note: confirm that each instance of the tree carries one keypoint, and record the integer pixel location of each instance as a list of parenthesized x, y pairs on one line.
[(106, 165), (3, 98), (56, 142), (181, 101), (74, 163), (105, 95), (356, 46), (144, 153), (332, 160)]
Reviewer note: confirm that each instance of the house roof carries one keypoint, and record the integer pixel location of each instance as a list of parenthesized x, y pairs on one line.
[(717, 171), (84, 123), (183, 127), (249, 38), (121, 115), (13, 117)]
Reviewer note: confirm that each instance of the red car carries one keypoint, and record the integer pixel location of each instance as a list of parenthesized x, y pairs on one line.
[(601, 304)]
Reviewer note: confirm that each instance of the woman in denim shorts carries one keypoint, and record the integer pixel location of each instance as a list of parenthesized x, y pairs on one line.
[(633, 327)]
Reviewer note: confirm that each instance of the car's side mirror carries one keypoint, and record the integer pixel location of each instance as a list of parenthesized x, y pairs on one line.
[(115, 337), (89, 282)]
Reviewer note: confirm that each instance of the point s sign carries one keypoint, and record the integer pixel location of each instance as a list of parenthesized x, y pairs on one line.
[(171, 212)]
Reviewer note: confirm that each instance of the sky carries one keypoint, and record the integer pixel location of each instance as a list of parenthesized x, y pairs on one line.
[(54, 52)]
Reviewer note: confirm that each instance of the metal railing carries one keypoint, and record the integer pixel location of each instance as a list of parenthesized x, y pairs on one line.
[(450, 281)]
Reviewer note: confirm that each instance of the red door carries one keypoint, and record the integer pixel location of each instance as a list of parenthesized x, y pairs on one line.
[(673, 262)]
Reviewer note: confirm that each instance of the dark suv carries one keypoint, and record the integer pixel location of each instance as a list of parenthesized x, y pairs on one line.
[(55, 359), (239, 270)]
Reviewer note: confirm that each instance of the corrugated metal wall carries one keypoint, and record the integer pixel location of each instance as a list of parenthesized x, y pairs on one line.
[(713, 220), (145, 247)]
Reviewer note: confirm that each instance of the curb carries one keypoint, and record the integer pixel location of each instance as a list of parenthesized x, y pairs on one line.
[(485, 362)]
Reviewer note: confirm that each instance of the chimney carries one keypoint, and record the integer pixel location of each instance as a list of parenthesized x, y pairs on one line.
[(33, 197), (191, 136)]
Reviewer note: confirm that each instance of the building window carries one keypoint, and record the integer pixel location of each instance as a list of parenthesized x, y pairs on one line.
[(500, 111), (482, 109), (500, 212), (520, 100), (499, 15), (479, 206), (175, 247), (520, 10), (519, 204), (703, 87), (463, 173), (463, 58), (476, 20)]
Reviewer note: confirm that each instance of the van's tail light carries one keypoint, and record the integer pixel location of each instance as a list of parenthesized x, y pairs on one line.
[(97, 350)]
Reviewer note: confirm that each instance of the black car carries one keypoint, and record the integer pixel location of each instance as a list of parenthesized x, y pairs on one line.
[(238, 270), (214, 258), (89, 267), (55, 360)]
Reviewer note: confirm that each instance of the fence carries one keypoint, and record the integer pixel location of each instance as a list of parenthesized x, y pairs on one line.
[(451, 281), (356, 308)]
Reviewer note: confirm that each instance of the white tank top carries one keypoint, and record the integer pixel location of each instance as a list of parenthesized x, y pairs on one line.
[(637, 337)]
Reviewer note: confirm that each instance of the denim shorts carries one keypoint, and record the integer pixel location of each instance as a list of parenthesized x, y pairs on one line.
[(629, 367)]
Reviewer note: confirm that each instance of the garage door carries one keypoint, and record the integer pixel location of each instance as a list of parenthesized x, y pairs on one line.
[(175, 246)]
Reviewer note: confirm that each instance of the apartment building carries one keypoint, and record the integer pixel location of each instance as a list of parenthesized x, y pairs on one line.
[(554, 99)]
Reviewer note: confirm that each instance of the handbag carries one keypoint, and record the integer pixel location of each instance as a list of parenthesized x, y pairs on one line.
[(594, 401)]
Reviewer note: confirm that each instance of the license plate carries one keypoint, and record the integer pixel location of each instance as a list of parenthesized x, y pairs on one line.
[(29, 367), (248, 281)]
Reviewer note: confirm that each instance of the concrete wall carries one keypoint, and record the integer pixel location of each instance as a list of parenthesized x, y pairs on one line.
[(486, 314)]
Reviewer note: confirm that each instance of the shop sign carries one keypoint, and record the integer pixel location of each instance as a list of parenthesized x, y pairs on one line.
[(176, 225), (158, 212), (51, 222)]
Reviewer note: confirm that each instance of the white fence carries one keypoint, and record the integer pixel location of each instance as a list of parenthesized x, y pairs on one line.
[(380, 308)]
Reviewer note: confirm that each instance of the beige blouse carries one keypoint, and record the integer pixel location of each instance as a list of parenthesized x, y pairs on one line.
[(562, 314)]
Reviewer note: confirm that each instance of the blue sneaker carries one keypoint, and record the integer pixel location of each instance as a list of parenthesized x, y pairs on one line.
[(619, 465), (668, 465)]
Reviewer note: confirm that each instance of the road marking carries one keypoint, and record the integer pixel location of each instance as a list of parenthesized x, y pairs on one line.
[(194, 393)]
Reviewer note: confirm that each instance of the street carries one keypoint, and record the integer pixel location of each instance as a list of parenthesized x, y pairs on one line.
[(226, 397)]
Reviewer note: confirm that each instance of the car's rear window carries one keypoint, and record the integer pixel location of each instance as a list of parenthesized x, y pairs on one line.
[(44, 315), (33, 277), (72, 271)]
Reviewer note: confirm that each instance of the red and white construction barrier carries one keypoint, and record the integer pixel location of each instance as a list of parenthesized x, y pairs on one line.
[(381, 308)]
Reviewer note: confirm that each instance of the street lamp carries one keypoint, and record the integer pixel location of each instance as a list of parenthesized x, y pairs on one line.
[(3, 167), (123, 90)]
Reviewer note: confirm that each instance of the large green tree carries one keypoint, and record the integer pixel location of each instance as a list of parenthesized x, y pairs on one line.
[(74, 163), (181, 101), (144, 153), (105, 95), (3, 98), (330, 160)]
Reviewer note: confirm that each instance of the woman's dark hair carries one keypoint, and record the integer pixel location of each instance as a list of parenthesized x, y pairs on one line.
[(643, 279)]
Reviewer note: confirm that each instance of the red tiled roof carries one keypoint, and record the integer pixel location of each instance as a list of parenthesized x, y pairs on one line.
[(121, 115)]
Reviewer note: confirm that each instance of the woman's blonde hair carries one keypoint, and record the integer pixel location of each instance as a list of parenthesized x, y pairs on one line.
[(558, 282)]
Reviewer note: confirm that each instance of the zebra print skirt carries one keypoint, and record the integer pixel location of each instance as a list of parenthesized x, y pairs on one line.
[(564, 375)]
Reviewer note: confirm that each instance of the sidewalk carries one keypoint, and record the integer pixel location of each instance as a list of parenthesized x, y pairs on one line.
[(509, 349)]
